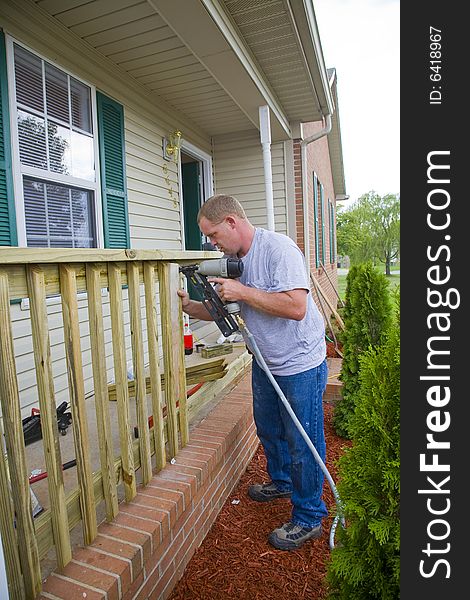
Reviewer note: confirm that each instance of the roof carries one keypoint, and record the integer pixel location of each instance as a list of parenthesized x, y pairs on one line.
[(213, 61)]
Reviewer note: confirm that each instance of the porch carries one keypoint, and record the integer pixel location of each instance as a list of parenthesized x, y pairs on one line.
[(113, 468)]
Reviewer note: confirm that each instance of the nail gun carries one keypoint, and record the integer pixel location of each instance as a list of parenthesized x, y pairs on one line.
[(222, 313)]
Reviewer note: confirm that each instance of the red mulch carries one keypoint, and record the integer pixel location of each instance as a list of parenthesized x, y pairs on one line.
[(331, 350), (235, 560)]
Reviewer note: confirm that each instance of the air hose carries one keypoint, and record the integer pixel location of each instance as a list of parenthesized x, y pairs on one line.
[(262, 363)]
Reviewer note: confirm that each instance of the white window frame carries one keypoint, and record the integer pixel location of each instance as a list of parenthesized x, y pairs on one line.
[(20, 170)]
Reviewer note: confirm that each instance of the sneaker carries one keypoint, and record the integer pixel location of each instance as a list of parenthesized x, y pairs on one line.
[(265, 492), (291, 536)]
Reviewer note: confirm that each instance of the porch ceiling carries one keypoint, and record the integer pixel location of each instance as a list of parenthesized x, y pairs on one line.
[(214, 61)]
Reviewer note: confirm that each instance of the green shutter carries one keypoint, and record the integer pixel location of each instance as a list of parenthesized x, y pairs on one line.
[(330, 219), (113, 172), (315, 219), (7, 206)]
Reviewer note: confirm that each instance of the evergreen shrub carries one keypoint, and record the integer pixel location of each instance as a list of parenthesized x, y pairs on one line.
[(367, 316), (365, 564)]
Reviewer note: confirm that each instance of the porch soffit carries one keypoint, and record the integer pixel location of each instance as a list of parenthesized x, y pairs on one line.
[(215, 62)]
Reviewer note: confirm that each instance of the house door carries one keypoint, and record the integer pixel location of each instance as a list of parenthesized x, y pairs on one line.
[(191, 170), (191, 202)]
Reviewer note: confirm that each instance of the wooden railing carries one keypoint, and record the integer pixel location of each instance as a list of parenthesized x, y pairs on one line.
[(37, 274)]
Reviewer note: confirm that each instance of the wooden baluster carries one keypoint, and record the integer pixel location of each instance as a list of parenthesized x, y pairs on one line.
[(120, 376), (139, 371), (98, 359), (73, 353), (20, 547), (47, 407), (155, 377), (172, 332)]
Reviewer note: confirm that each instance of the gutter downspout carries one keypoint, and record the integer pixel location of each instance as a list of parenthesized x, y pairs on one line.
[(303, 157), (265, 134)]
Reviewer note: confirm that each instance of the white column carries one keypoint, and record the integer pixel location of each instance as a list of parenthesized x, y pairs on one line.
[(265, 134)]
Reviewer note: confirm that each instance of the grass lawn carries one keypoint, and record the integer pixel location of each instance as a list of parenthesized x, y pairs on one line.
[(393, 280)]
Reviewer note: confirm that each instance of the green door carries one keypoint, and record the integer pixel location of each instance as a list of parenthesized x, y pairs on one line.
[(191, 205)]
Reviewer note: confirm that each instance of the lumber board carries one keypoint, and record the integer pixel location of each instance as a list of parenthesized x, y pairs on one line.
[(20, 547), (154, 382), (73, 353), (194, 374), (98, 361), (120, 376), (47, 407), (173, 357), (139, 370)]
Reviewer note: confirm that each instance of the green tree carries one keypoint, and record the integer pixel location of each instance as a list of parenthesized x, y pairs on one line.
[(370, 229), (365, 564)]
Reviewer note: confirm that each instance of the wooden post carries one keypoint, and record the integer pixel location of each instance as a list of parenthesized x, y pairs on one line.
[(98, 359), (172, 332), (120, 376), (73, 353), (47, 407), (155, 377), (139, 372), (20, 547)]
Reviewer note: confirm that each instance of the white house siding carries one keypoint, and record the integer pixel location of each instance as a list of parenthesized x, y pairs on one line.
[(239, 172)]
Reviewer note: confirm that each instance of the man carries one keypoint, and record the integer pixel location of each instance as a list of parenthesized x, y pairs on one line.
[(278, 309)]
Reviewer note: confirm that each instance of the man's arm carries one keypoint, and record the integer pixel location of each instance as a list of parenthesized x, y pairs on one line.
[(193, 308), (289, 305)]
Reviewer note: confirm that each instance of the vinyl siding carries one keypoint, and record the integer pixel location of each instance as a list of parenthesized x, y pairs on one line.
[(239, 172)]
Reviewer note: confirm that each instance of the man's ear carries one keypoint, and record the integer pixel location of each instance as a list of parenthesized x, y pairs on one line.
[(231, 221)]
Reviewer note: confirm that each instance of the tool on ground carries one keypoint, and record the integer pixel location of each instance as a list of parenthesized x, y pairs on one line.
[(227, 316), (32, 425)]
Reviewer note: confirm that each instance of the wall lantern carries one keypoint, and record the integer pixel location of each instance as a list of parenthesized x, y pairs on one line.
[(172, 145)]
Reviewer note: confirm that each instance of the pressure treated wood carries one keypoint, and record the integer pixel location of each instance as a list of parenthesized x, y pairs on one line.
[(172, 332), (55, 256), (155, 378), (73, 354), (139, 371), (98, 359), (19, 545), (214, 369), (47, 407), (120, 376)]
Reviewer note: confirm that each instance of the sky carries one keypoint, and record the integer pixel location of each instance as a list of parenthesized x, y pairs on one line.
[(361, 40)]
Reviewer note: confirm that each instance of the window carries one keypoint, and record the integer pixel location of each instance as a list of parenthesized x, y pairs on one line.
[(56, 154)]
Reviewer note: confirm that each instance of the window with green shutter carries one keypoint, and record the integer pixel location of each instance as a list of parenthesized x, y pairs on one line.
[(7, 209), (65, 140)]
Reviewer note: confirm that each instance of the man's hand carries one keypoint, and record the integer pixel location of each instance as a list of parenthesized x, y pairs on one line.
[(185, 300), (291, 304), (230, 290)]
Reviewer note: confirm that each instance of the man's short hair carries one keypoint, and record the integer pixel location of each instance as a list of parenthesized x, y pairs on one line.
[(217, 207)]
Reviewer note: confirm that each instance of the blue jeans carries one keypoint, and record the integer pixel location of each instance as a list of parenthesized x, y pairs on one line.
[(290, 463)]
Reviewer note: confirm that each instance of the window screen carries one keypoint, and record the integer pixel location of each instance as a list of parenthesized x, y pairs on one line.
[(55, 136), (58, 216)]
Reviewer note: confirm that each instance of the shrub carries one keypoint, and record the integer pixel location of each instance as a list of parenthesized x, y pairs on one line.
[(367, 316), (365, 563)]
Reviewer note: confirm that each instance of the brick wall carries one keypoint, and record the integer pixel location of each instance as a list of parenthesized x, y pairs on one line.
[(318, 161), (144, 551)]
